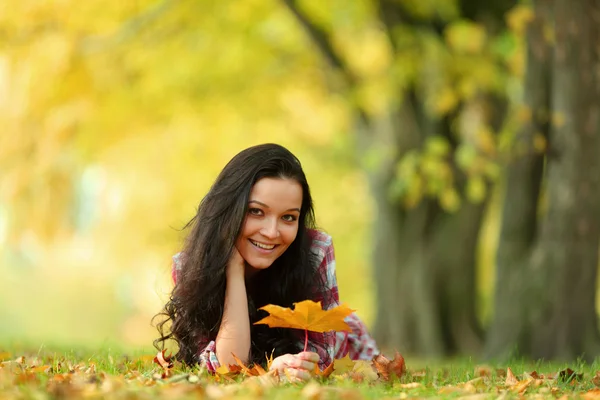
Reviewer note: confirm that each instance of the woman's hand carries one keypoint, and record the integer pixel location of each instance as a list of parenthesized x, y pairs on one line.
[(298, 367), (236, 264)]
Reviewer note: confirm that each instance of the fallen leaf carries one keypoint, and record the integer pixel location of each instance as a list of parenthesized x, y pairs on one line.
[(511, 379), (307, 315), (569, 375), (363, 372), (162, 360), (41, 368), (596, 379), (388, 369), (593, 394), (266, 380), (222, 370), (534, 375), (326, 372), (245, 369), (450, 389), (343, 365), (522, 386), (483, 370), (500, 373)]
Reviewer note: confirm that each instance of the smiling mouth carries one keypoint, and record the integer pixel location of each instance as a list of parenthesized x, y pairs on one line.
[(263, 246)]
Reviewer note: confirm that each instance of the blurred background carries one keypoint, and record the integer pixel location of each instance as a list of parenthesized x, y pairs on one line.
[(452, 149)]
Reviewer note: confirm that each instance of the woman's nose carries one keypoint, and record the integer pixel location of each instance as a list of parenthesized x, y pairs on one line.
[(270, 230)]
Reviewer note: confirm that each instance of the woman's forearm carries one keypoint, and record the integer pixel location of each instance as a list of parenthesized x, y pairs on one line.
[(234, 333)]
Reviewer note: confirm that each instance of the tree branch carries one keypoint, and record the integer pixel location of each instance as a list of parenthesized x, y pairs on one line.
[(323, 42)]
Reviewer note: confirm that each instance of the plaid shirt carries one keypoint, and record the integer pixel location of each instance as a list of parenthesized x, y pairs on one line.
[(357, 343)]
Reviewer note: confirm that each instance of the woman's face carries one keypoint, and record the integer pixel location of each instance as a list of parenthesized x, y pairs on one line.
[(271, 223)]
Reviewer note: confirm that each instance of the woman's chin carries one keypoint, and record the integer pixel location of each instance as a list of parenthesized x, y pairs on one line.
[(252, 268), (259, 266)]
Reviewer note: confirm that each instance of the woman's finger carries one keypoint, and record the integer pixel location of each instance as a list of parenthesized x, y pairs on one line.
[(297, 362), (297, 374), (309, 356)]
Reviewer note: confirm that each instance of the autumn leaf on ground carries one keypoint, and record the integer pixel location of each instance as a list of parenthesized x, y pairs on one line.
[(569, 375), (593, 394), (343, 365), (163, 360), (325, 373), (256, 369), (596, 379), (363, 372), (388, 369), (511, 379), (309, 316)]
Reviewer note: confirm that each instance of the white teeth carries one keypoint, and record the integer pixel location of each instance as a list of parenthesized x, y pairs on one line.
[(263, 246)]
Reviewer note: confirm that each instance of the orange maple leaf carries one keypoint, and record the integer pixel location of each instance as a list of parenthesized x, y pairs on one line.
[(307, 315)]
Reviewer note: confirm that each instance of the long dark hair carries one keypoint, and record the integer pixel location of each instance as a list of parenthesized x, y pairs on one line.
[(195, 306)]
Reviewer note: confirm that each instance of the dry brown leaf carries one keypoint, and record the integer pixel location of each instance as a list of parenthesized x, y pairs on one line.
[(163, 360), (522, 386), (593, 394), (569, 375), (41, 368), (532, 375), (596, 379), (511, 379), (500, 373), (483, 370), (450, 389), (476, 384), (388, 369), (365, 371)]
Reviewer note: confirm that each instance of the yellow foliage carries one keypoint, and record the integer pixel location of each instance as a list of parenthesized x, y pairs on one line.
[(539, 142), (446, 101), (466, 37), (116, 119), (450, 199), (486, 141), (518, 18), (476, 189)]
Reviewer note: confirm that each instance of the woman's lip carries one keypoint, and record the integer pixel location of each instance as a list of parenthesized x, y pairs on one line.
[(261, 249)]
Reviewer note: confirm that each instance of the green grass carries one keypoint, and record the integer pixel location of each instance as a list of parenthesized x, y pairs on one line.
[(111, 372)]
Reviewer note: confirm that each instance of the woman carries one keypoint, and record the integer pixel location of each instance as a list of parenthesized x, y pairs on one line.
[(253, 242)]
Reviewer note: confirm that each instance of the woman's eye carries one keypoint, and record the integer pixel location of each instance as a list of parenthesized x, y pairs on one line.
[(255, 211), (289, 218)]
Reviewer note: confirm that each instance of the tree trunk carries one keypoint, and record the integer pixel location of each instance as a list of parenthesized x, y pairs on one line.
[(546, 282), (426, 286)]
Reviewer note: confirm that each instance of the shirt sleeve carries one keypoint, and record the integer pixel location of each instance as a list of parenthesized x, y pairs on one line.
[(357, 343), (207, 353)]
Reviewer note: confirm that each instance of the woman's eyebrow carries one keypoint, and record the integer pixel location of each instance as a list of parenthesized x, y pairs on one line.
[(266, 206)]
